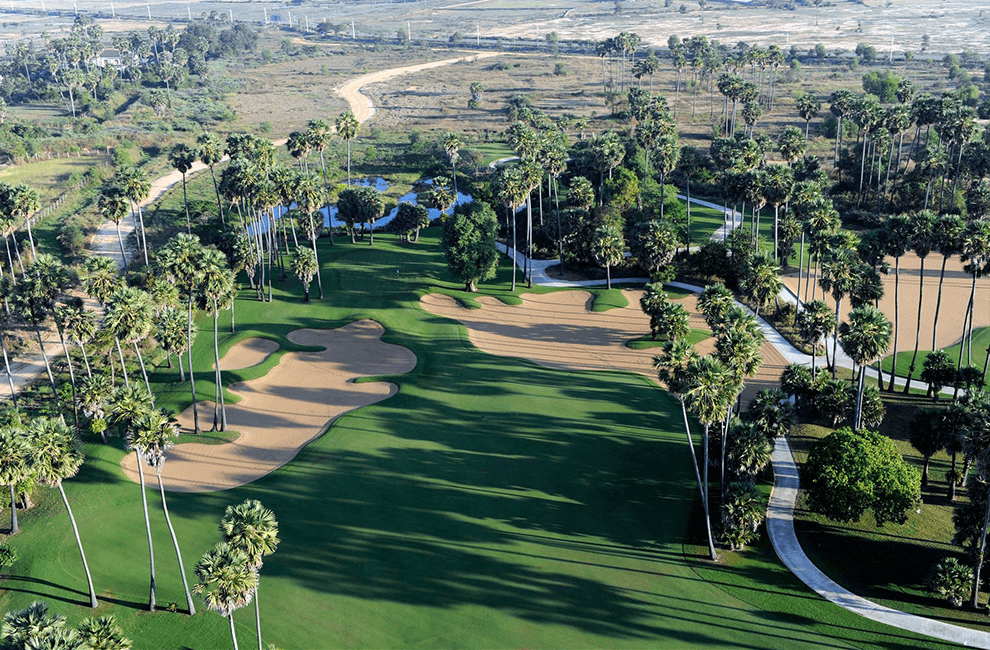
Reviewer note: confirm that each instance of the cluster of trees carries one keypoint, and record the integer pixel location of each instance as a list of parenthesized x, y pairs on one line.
[(35, 627), (160, 62)]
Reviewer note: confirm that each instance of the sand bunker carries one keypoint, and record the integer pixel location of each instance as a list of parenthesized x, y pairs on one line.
[(247, 353), (955, 297), (558, 330), (286, 409)]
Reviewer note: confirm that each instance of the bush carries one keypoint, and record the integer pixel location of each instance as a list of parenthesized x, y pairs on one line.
[(8, 556), (72, 239), (743, 511), (951, 579), (834, 399)]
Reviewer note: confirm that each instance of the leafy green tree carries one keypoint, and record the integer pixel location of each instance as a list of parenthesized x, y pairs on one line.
[(412, 217), (608, 248), (360, 205), (304, 267), (468, 239), (850, 472), (57, 456), (253, 529), (226, 581), (808, 106)]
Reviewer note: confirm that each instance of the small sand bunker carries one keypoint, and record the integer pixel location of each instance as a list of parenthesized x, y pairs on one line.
[(283, 411), (558, 330), (247, 353)]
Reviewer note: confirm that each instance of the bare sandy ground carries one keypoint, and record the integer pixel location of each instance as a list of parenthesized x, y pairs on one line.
[(286, 409), (955, 297), (247, 353), (558, 330), (362, 107)]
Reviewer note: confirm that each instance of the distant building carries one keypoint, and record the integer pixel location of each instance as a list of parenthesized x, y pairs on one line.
[(109, 56)]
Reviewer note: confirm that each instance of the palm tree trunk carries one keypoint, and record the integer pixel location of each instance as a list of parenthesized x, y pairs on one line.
[(897, 282), (835, 338), (82, 348), (147, 526), (233, 635), (120, 240), (175, 543), (192, 379), (688, 215), (17, 251), (216, 188), (974, 603), (144, 371), (800, 272), (185, 202), (72, 374), (701, 485), (514, 253), (13, 510), (182, 372), (75, 530), (216, 357), (257, 616), (319, 279), (860, 387), (608, 276), (917, 331), (529, 241), (144, 240), (938, 303), (10, 261), (48, 366), (123, 368), (6, 365), (704, 490)]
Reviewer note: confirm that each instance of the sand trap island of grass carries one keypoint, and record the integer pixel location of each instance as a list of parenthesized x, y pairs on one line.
[(248, 353), (559, 330), (283, 411)]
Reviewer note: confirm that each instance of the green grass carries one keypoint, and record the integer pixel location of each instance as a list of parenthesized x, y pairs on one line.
[(491, 503), (607, 299), (981, 342), (49, 177)]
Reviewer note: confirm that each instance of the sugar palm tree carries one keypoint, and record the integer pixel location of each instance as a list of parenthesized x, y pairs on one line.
[(299, 145), (100, 278), (33, 627), (103, 633), (16, 462), (57, 456), (182, 260), (714, 303), (975, 255), (347, 128), (226, 581), (865, 338), (777, 191), (152, 435), (134, 184), (305, 267), (452, 144), (253, 529), (217, 289), (126, 413), (511, 191), (672, 365), (814, 323), (129, 316), (210, 151), (771, 413), (897, 236), (738, 348), (319, 134), (170, 332), (608, 248), (35, 299), (307, 202), (79, 324), (708, 390), (93, 396), (22, 201), (838, 277), (761, 281), (948, 234), (923, 240), (182, 157)]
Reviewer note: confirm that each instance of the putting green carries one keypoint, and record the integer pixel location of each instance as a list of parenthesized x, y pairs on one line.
[(491, 503)]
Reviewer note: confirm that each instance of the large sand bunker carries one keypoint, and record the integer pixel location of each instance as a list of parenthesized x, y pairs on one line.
[(558, 330), (286, 409), (247, 353)]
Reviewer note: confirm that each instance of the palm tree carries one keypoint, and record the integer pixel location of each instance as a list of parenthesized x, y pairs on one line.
[(451, 145), (170, 332), (134, 184), (79, 324), (923, 239), (100, 278), (226, 581), (771, 413), (113, 207), (865, 338), (511, 190), (299, 146), (897, 237), (672, 365), (44, 279), (33, 627), (129, 317), (103, 632), (808, 106), (761, 281), (927, 436), (708, 390), (151, 436), (182, 259), (22, 201), (305, 267), (319, 135), (975, 254), (253, 529), (948, 234), (16, 461), (307, 202), (57, 456), (839, 276), (814, 323), (347, 128), (92, 397), (714, 303), (210, 151), (182, 157), (779, 183), (217, 289), (978, 448), (608, 248)]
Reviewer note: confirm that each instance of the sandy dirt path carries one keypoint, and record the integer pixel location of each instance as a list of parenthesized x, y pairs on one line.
[(955, 297), (558, 330), (363, 108), (285, 410)]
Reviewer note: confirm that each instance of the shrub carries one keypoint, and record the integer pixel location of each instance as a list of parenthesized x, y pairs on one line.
[(8, 556), (951, 579), (72, 239), (743, 511)]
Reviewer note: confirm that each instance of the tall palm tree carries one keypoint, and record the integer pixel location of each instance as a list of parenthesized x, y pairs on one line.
[(347, 128), (975, 255), (714, 303), (608, 248), (305, 267), (129, 316), (129, 413), (210, 151), (897, 237), (93, 396), (708, 390), (779, 183), (839, 275), (57, 456), (307, 201), (79, 324), (100, 278), (761, 281), (153, 435), (672, 365), (319, 134), (253, 529), (511, 191), (814, 323), (948, 234), (135, 186), (226, 581), (16, 462), (23, 201), (977, 447), (299, 145), (923, 240), (182, 157), (451, 146), (182, 260), (217, 289), (865, 338), (44, 279), (170, 332)]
